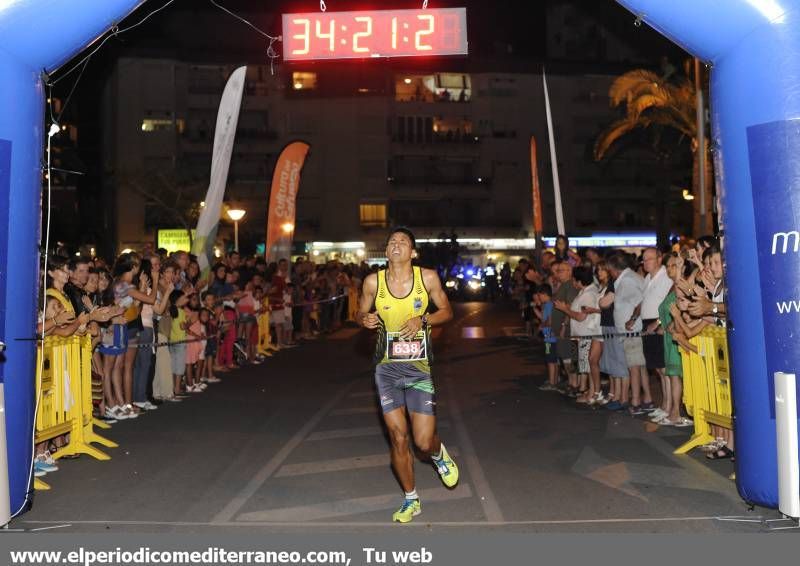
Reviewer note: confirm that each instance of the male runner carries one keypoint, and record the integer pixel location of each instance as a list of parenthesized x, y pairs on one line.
[(401, 295)]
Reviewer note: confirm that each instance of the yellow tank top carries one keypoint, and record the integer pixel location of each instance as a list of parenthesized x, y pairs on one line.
[(61, 298), (394, 312)]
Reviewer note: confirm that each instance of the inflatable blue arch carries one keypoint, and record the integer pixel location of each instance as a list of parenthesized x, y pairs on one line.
[(36, 36), (753, 47)]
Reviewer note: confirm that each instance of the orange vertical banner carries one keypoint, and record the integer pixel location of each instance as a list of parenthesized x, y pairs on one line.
[(283, 194), (537, 194)]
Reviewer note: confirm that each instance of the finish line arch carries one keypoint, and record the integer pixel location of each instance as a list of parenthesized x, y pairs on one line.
[(756, 128), (752, 47)]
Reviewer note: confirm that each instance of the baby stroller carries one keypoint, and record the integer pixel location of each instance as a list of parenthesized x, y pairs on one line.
[(240, 352)]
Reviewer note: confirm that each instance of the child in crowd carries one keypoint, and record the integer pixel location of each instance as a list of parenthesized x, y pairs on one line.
[(288, 322), (195, 349), (207, 320), (544, 310), (227, 324)]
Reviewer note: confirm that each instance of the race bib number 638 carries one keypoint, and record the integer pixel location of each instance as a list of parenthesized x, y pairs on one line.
[(399, 350)]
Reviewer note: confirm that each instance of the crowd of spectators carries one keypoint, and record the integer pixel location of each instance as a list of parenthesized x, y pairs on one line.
[(615, 325), (161, 330)]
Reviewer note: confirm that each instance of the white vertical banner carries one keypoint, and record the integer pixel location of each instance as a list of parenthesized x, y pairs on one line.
[(224, 134), (553, 160)]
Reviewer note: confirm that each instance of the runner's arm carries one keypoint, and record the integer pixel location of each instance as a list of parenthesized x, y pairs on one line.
[(364, 317), (434, 286)]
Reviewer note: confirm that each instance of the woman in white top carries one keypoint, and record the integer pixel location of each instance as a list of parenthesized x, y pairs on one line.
[(583, 325)]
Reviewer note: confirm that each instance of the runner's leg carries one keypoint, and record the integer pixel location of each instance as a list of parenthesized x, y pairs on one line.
[(402, 460)]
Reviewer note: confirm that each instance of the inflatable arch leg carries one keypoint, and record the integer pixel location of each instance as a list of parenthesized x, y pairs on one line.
[(62, 30), (753, 47)]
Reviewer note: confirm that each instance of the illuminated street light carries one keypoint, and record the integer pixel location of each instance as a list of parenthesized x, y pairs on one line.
[(287, 228), (236, 214), (687, 195)]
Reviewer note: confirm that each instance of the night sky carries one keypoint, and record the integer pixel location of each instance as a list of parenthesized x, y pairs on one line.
[(195, 30)]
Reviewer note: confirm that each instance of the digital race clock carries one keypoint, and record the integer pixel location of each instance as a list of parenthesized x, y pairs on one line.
[(374, 33)]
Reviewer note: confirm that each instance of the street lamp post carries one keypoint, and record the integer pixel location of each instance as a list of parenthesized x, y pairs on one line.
[(236, 214)]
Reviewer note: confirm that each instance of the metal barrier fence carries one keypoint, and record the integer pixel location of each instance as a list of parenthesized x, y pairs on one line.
[(64, 390), (707, 386)]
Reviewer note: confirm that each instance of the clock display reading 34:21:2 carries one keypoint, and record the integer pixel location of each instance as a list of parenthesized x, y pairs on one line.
[(374, 33)]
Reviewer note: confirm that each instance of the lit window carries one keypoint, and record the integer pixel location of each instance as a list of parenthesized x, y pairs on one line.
[(373, 215), (155, 125), (302, 80), (440, 87)]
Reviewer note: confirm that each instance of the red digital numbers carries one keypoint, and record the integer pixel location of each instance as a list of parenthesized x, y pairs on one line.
[(377, 33)]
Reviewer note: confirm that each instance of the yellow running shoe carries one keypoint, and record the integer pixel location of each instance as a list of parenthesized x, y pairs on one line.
[(410, 509), (447, 469)]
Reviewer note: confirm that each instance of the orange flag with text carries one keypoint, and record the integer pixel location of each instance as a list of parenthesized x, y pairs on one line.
[(537, 195), (283, 195)]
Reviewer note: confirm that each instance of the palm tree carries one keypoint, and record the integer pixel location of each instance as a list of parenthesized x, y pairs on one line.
[(655, 102)]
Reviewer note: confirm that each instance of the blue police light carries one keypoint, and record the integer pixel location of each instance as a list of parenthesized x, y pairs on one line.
[(470, 272)]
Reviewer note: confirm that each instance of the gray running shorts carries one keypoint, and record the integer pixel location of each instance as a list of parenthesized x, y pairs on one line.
[(401, 384)]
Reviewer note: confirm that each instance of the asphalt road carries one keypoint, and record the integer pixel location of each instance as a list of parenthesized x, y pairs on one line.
[(296, 445)]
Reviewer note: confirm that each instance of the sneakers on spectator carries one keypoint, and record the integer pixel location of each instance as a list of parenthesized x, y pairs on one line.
[(194, 389), (649, 407), (614, 405), (714, 445), (605, 399), (684, 422), (41, 462), (37, 471), (146, 406), (128, 410), (115, 413), (658, 414), (634, 410), (201, 385), (547, 386), (214, 380), (48, 458), (174, 399)]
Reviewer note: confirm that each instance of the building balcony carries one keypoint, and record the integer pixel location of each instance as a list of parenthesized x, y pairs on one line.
[(448, 139)]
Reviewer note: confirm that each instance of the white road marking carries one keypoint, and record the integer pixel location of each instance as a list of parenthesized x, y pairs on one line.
[(339, 464), (345, 507), (354, 411), (345, 433), (50, 528), (362, 393), (471, 462), (334, 434), (276, 461), (512, 331), (426, 524)]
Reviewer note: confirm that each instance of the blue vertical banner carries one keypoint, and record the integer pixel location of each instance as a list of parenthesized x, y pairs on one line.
[(776, 203), (5, 187)]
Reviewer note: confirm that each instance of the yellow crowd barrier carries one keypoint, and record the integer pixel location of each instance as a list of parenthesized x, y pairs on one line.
[(264, 336), (707, 386), (352, 303), (64, 389)]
